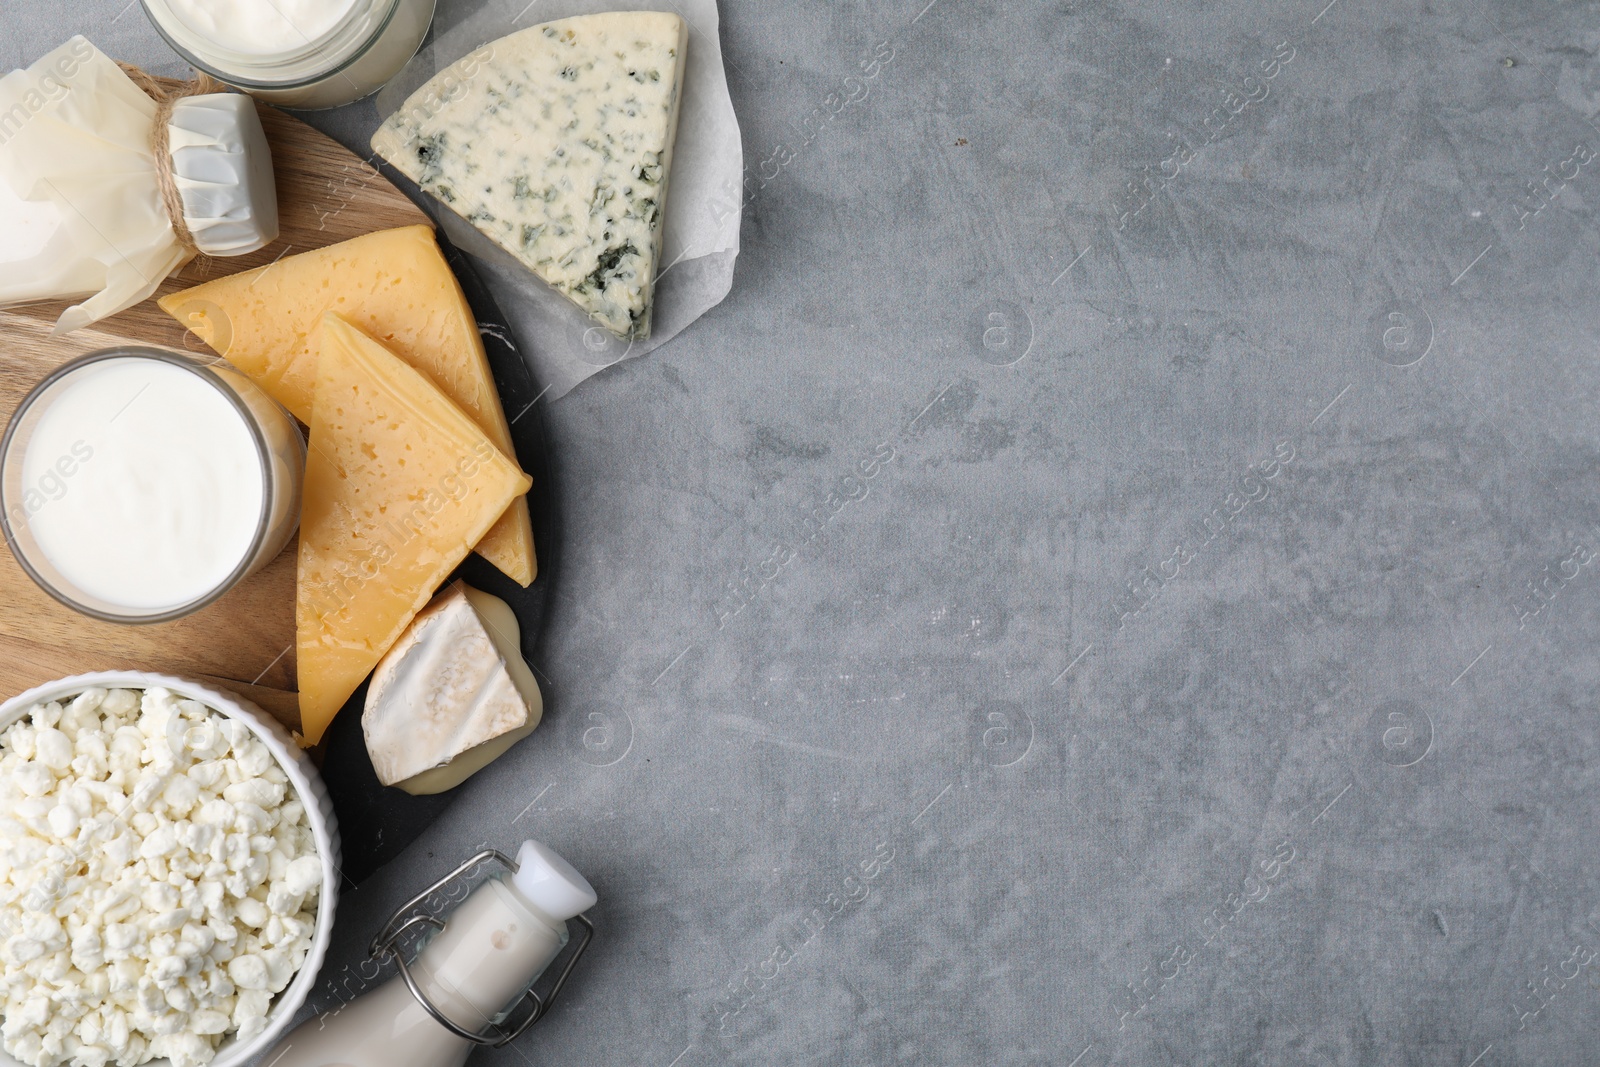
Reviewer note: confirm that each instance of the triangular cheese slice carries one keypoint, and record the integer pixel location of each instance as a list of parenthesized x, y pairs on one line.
[(451, 695), (394, 285), (400, 484), (556, 143)]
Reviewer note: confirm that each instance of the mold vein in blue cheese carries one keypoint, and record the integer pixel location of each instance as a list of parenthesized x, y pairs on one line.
[(556, 143)]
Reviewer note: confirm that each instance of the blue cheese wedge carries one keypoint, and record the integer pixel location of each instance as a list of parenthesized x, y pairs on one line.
[(451, 696), (556, 143)]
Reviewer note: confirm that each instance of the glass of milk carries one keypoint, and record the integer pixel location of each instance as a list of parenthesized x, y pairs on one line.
[(306, 54), (140, 484)]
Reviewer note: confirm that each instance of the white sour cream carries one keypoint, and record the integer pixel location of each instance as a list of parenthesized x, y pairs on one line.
[(142, 484), (262, 27)]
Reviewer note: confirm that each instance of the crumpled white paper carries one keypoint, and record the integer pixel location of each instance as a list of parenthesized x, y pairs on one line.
[(82, 193), (701, 239), (75, 133), (222, 166)]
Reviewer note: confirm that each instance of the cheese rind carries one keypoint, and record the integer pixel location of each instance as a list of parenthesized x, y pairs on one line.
[(451, 695), (393, 285), (556, 142), (399, 485)]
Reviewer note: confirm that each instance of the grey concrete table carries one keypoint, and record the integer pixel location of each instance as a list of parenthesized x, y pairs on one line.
[(1116, 581)]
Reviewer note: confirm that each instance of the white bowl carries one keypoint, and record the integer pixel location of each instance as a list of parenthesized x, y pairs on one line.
[(308, 787)]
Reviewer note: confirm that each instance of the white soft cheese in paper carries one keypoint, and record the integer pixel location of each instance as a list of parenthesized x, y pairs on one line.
[(75, 133), (556, 142), (451, 695), (38, 259), (76, 154)]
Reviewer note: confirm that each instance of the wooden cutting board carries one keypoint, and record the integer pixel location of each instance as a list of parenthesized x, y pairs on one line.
[(245, 640)]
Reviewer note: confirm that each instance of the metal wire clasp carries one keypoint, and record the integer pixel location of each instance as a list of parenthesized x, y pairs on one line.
[(386, 943)]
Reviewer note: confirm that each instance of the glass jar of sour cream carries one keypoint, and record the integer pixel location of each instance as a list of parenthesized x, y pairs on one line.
[(305, 54), (139, 484)]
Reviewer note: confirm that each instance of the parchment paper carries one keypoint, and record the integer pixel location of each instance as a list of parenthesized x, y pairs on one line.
[(701, 240), (77, 164), (77, 136)]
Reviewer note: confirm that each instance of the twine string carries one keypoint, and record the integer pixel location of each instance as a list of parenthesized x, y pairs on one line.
[(166, 97)]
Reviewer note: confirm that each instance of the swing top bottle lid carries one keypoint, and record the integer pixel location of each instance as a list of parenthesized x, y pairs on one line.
[(550, 883)]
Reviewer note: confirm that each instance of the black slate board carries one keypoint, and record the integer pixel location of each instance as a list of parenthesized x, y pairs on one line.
[(376, 823)]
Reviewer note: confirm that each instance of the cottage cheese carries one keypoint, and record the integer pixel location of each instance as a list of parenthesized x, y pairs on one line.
[(158, 881)]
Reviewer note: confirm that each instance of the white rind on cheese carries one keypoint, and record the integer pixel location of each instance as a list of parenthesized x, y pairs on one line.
[(501, 622), (556, 143), (451, 695)]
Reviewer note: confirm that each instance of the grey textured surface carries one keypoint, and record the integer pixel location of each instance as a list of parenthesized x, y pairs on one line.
[(1321, 789)]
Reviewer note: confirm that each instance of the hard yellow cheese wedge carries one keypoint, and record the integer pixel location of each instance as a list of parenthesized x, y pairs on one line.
[(400, 484), (393, 285)]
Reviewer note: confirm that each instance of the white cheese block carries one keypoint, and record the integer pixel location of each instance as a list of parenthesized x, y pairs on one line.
[(556, 143), (451, 695)]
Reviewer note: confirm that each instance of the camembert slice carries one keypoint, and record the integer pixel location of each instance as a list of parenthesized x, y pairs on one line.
[(393, 285), (451, 695), (400, 484), (556, 142)]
